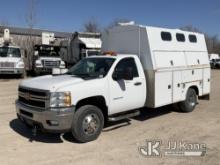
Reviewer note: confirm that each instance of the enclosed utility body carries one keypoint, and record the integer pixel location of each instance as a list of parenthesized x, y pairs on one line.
[(173, 60)]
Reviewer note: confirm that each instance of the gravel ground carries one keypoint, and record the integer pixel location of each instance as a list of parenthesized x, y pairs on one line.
[(119, 142)]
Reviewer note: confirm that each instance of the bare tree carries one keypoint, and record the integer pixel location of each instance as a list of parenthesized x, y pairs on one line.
[(30, 21), (3, 24), (212, 42), (190, 28), (91, 26)]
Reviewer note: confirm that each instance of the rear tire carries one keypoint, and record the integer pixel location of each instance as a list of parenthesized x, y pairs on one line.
[(191, 101), (88, 122)]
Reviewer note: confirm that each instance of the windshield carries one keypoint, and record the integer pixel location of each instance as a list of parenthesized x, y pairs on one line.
[(47, 51), (92, 67), (9, 52), (92, 53)]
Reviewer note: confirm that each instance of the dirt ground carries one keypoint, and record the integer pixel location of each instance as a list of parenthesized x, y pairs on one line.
[(119, 142)]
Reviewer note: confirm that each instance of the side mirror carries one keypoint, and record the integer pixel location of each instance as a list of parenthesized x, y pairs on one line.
[(22, 53), (36, 53), (126, 74)]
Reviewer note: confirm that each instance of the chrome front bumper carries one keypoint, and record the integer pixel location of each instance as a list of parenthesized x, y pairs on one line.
[(47, 120), (11, 70)]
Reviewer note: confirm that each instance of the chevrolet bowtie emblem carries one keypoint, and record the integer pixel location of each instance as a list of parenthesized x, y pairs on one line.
[(27, 96)]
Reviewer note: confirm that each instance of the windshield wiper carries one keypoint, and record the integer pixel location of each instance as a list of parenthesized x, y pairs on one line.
[(85, 75)]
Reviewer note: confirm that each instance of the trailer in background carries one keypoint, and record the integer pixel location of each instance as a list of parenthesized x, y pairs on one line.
[(81, 45)]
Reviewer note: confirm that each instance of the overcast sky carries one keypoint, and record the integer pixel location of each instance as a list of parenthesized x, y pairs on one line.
[(70, 15)]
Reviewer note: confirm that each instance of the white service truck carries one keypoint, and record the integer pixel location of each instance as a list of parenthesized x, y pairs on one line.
[(148, 67), (11, 58), (47, 55)]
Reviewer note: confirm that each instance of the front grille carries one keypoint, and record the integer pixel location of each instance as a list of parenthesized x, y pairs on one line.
[(51, 64), (33, 97), (7, 64)]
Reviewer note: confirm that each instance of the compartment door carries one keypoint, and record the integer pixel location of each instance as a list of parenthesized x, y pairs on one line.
[(163, 88), (177, 86), (206, 81)]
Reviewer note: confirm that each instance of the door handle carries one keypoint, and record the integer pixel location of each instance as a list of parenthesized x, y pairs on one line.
[(137, 83)]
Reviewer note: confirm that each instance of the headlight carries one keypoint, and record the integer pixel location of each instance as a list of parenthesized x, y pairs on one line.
[(62, 64), (38, 63), (60, 99), (20, 64)]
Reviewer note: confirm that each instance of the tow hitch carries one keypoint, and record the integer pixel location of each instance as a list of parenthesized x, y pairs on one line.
[(34, 133)]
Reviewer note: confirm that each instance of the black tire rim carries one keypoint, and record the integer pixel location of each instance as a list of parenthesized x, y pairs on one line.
[(91, 124)]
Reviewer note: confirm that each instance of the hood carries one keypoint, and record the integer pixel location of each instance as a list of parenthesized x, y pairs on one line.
[(10, 59), (51, 83)]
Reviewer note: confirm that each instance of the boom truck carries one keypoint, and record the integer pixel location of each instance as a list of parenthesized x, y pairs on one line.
[(142, 66), (47, 55), (11, 56)]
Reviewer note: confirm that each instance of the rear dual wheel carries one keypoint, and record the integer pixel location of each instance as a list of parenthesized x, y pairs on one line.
[(191, 101)]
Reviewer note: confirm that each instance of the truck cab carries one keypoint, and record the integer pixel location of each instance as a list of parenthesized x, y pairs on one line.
[(47, 55), (11, 57)]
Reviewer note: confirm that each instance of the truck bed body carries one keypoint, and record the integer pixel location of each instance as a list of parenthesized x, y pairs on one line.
[(173, 60)]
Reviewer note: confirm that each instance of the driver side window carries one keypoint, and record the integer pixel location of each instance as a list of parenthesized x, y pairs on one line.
[(126, 63)]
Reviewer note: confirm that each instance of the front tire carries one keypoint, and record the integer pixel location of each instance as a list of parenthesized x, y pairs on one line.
[(88, 122), (191, 101)]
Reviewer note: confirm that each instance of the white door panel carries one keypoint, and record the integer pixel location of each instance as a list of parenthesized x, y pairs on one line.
[(192, 75), (206, 80), (169, 59), (126, 95), (163, 88)]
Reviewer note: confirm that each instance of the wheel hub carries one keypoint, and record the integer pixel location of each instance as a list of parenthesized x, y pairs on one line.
[(90, 124), (192, 100)]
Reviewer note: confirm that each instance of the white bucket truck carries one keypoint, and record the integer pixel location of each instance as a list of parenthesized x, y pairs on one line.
[(149, 67), (47, 55), (11, 58)]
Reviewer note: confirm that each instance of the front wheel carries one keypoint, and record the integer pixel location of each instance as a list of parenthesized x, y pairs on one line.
[(191, 101), (88, 122)]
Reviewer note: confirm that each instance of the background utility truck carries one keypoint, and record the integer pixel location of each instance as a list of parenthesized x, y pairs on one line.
[(47, 55), (214, 60), (81, 45), (11, 58), (153, 67)]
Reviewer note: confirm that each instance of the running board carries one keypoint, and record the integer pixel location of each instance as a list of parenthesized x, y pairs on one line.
[(124, 116)]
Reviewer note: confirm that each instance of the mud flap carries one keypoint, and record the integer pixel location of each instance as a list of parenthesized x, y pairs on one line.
[(205, 97)]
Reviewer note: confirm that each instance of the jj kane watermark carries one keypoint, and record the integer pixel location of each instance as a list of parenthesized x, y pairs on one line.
[(155, 148)]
